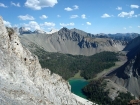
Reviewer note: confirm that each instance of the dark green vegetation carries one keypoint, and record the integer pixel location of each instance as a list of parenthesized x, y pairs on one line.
[(68, 65), (77, 85), (96, 93)]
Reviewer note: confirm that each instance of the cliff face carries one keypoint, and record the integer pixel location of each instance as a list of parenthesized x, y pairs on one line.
[(72, 42), (128, 75), (133, 47), (24, 82)]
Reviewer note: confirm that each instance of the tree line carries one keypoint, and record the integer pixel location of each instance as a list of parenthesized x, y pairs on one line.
[(68, 65), (95, 91)]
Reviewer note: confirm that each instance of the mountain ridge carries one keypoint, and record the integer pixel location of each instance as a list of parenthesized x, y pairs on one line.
[(128, 75), (71, 42), (24, 82)]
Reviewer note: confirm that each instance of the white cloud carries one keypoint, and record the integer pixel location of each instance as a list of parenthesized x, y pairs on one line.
[(14, 4), (138, 26), (58, 16), (71, 24), (135, 16), (43, 17), (134, 6), (68, 24), (71, 9), (105, 15), (68, 9), (63, 24), (126, 14), (74, 16), (33, 25), (83, 16), (3, 5), (26, 17), (88, 23), (6, 23), (39, 4), (48, 24), (76, 7), (119, 8)]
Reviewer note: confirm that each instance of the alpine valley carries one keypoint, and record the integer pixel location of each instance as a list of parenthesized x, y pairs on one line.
[(35, 67)]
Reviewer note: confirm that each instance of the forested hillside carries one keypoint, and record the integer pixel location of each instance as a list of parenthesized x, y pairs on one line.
[(68, 65), (95, 91)]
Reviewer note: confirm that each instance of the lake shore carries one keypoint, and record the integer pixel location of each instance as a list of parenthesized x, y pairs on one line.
[(77, 85)]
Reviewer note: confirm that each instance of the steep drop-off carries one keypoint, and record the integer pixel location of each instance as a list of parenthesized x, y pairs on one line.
[(24, 82), (133, 47), (128, 75)]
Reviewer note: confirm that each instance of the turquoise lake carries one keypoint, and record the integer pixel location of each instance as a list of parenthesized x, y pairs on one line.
[(77, 85)]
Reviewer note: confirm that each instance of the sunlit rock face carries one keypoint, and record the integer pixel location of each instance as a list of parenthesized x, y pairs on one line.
[(24, 82)]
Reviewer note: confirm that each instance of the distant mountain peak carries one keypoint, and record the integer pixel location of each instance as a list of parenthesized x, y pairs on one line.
[(64, 29), (24, 30)]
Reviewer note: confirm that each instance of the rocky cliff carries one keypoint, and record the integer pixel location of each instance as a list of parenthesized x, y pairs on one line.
[(133, 47), (128, 75), (24, 82), (72, 42)]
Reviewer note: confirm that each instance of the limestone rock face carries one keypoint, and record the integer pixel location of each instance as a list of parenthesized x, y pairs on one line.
[(24, 82)]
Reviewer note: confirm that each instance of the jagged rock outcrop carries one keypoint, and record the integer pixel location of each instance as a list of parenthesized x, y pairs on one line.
[(133, 47), (24, 82), (71, 42)]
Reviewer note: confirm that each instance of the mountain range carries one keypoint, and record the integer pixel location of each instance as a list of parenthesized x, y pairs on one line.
[(73, 42), (24, 82), (24, 30), (78, 42)]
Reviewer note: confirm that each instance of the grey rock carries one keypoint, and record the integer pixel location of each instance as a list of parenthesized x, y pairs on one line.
[(24, 82), (72, 42), (128, 75)]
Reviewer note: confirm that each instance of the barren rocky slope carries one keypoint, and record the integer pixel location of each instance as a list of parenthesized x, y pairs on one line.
[(72, 42), (133, 47), (24, 82), (128, 75)]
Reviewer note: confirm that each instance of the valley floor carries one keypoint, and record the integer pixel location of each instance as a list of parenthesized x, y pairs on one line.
[(77, 76), (107, 71)]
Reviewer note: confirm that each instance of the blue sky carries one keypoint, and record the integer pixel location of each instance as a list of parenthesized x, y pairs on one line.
[(93, 16)]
